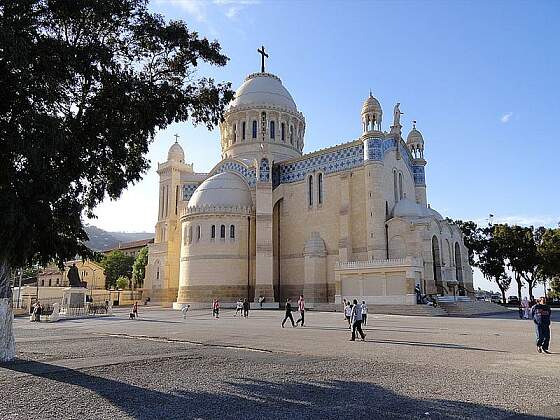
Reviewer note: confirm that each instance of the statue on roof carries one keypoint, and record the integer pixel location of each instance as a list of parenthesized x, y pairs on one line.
[(397, 115)]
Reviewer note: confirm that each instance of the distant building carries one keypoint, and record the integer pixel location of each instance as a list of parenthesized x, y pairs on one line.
[(52, 277), (131, 248), (91, 274)]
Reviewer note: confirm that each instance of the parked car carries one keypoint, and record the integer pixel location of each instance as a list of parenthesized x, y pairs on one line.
[(496, 298), (513, 300)]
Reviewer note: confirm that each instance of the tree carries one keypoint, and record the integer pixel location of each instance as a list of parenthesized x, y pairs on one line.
[(116, 265), (486, 253), (472, 238), (122, 282), (548, 248), (85, 85), (139, 267), (491, 260), (520, 250), (555, 287)]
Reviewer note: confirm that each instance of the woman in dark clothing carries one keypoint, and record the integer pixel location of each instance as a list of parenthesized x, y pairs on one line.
[(288, 313)]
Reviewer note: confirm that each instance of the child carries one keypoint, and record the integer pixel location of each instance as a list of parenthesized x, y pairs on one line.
[(238, 307), (348, 313), (184, 310)]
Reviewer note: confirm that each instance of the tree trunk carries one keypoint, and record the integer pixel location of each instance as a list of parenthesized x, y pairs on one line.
[(519, 281), (7, 340)]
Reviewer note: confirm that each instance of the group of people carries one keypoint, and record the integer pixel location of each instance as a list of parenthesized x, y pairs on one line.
[(289, 310), (356, 316), (36, 312), (243, 307)]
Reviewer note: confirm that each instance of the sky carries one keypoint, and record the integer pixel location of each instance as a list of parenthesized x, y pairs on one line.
[(480, 78)]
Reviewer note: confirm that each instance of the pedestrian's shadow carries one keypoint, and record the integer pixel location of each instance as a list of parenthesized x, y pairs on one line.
[(238, 398)]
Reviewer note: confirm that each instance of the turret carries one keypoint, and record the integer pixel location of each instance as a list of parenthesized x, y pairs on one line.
[(415, 143), (372, 115)]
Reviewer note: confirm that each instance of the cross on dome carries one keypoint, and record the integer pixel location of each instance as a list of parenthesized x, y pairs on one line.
[(176, 138), (263, 54)]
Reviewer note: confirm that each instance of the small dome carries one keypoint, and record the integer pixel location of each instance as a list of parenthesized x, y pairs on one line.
[(176, 153), (260, 89), (408, 208), (225, 189), (414, 136), (431, 212), (371, 105), (315, 246)]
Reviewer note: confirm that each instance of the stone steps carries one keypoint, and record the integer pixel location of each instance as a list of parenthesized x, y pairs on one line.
[(407, 310), (472, 308)]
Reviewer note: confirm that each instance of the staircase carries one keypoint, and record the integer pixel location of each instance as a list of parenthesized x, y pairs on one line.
[(464, 306), (407, 310)]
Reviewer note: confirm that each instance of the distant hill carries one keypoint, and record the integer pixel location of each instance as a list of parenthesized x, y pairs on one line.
[(100, 240)]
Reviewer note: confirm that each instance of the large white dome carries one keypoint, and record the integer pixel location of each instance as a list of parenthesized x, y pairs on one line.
[(260, 89), (225, 189)]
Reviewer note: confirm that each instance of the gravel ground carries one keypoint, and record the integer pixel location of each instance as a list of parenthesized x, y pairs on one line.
[(164, 367)]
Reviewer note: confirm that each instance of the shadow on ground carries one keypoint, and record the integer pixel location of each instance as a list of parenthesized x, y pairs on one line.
[(257, 399)]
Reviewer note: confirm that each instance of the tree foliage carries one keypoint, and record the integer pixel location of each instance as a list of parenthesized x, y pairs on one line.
[(85, 85), (139, 267), (532, 254), (116, 264), (123, 282)]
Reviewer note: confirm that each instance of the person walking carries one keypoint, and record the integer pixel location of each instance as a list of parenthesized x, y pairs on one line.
[(245, 308), (135, 310), (364, 313), (541, 317), (216, 308), (301, 308), (348, 313), (526, 308), (184, 310), (288, 313), (238, 307), (357, 321)]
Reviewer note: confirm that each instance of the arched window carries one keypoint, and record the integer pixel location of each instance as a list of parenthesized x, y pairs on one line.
[(400, 186), (310, 190), (232, 231), (254, 129), (190, 234), (395, 190), (243, 127), (272, 130), (234, 133), (222, 231), (198, 233), (283, 131), (292, 135), (320, 188), (213, 232)]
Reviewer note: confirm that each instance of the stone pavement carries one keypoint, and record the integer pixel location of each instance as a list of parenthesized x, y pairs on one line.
[(161, 366)]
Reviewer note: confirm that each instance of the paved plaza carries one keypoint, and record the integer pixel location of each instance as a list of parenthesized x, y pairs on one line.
[(161, 366)]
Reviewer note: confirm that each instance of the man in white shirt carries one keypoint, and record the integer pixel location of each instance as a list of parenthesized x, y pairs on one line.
[(364, 313), (357, 321)]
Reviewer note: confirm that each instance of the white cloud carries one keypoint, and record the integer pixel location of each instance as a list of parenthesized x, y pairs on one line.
[(233, 7), (506, 117), (195, 8), (522, 220)]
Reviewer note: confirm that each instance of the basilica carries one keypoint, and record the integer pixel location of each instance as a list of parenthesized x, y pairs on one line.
[(348, 221)]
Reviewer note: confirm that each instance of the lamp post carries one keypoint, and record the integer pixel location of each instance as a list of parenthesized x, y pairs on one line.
[(93, 282)]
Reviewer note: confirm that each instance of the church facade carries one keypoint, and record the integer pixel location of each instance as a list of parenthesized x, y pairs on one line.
[(348, 221)]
